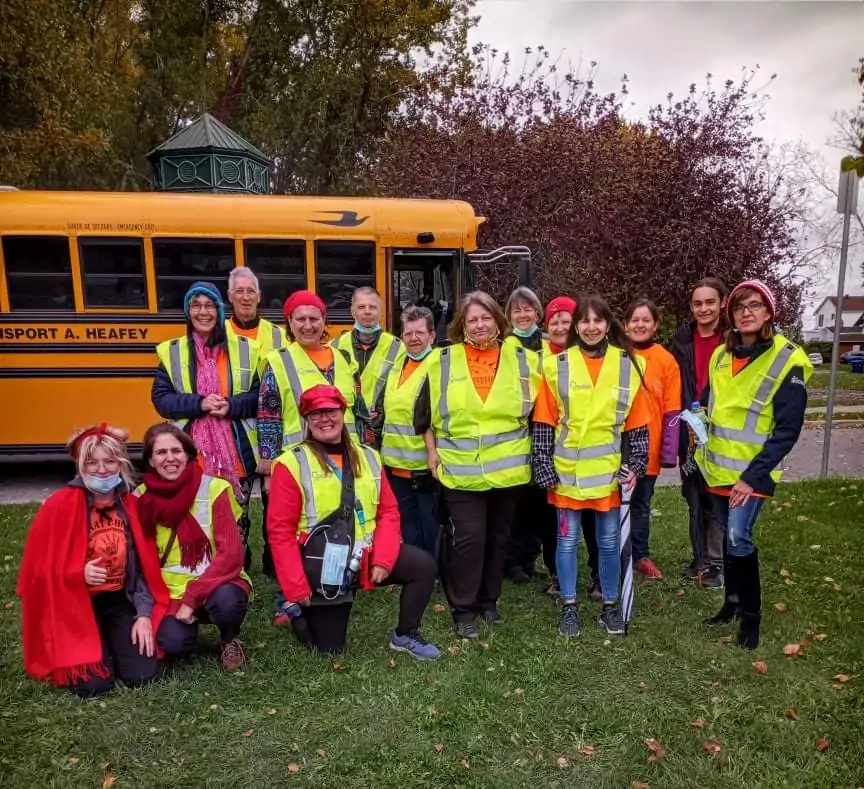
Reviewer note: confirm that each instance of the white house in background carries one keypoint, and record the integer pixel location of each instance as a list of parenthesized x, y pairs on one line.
[(825, 316)]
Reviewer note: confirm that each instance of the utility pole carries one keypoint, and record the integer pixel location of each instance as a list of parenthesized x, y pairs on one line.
[(847, 202)]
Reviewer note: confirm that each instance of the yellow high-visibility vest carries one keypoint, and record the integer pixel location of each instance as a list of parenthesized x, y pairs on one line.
[(741, 409), (243, 355), (269, 337), (387, 353), (174, 574), (295, 372), (588, 439), (483, 445), (400, 446)]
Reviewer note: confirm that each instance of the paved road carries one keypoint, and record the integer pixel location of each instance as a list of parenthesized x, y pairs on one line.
[(26, 482)]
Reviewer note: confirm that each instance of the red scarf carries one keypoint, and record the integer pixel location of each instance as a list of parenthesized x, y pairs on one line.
[(168, 503), (59, 632)]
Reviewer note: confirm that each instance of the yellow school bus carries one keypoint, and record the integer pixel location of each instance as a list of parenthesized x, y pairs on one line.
[(91, 282)]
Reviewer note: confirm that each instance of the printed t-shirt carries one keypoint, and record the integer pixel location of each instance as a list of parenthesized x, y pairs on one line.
[(106, 540)]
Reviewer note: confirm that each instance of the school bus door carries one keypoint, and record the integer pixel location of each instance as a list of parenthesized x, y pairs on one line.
[(427, 278)]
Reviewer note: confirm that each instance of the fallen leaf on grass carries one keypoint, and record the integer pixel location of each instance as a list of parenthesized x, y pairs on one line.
[(465, 763), (607, 643), (9, 605), (587, 750), (815, 547), (484, 644), (439, 747), (792, 714), (790, 650), (724, 640), (321, 753), (293, 767), (843, 678), (837, 587), (74, 760), (519, 692), (802, 519), (680, 593), (248, 733), (453, 650), (761, 666), (698, 724), (563, 762), (788, 582), (780, 606), (438, 608), (784, 573), (392, 663), (640, 785), (822, 745), (711, 746), (272, 711), (657, 750), (828, 579), (820, 636), (110, 780), (214, 707), (338, 666), (836, 686)]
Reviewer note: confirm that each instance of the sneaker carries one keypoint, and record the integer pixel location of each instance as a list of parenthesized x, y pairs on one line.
[(415, 645), (233, 655), (690, 570), (466, 630), (569, 623), (281, 620), (613, 622), (712, 578), (554, 589), (595, 593), (492, 616), (648, 569)]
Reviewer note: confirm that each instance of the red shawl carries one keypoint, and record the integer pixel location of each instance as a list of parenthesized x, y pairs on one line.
[(58, 627)]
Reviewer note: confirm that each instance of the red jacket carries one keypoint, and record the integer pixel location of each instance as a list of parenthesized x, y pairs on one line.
[(283, 517)]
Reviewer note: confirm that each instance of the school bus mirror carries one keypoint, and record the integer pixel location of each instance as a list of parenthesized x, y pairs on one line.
[(425, 238)]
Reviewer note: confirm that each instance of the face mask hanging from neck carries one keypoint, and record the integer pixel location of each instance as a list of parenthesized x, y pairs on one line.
[(525, 333), (419, 357), (367, 330), (482, 346)]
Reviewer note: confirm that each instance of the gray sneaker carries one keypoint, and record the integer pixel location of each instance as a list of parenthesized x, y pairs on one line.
[(612, 620), (712, 578), (569, 623), (466, 630)]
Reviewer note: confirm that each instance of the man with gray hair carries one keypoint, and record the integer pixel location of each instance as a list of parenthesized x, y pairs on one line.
[(245, 296), (374, 352)]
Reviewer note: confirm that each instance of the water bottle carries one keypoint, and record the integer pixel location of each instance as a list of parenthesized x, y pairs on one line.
[(697, 421)]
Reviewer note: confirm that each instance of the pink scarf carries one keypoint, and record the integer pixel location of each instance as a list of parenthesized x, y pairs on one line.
[(212, 434)]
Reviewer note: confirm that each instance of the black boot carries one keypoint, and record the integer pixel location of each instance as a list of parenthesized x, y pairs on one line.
[(750, 594), (731, 608)]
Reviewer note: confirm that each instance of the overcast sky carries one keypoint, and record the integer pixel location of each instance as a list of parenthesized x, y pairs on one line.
[(665, 46)]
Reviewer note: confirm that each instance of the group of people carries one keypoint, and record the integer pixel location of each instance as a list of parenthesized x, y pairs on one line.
[(387, 460)]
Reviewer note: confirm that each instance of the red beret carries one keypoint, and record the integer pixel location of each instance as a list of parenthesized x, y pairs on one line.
[(303, 298), (559, 304), (321, 398)]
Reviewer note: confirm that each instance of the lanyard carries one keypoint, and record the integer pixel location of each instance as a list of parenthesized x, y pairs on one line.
[(358, 507)]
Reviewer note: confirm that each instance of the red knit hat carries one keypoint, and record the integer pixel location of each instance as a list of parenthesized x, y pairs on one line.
[(559, 304), (303, 298), (757, 286), (321, 398)]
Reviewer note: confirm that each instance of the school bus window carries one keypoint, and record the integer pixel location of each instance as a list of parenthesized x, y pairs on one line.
[(280, 266), (341, 266), (113, 272), (181, 261), (38, 272)]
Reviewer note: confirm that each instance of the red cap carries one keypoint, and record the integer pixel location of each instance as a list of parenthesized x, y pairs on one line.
[(757, 286), (303, 298), (321, 398), (559, 304)]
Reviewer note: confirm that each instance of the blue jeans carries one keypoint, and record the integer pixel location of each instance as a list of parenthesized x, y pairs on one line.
[(418, 510), (640, 516), (608, 544), (738, 523)]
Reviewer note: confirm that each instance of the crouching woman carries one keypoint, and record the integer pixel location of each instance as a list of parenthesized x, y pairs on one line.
[(91, 595), (193, 518), (333, 523)]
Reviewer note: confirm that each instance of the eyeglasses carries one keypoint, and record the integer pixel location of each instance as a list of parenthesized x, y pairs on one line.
[(95, 465), (752, 307), (327, 413), (202, 308)]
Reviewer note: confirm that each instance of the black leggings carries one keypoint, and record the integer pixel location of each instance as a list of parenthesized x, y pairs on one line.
[(414, 571), (225, 608)]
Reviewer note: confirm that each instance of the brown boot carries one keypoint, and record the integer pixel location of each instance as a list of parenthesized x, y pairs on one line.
[(233, 655)]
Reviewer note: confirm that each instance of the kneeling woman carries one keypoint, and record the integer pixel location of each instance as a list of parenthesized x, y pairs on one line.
[(91, 595), (307, 490), (193, 518)]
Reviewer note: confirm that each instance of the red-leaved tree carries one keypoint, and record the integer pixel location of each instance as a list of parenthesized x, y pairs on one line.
[(608, 205)]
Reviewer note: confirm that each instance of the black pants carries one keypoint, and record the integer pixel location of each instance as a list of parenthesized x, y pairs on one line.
[(414, 571), (534, 532), (418, 509), (475, 547), (706, 530), (115, 616), (225, 608)]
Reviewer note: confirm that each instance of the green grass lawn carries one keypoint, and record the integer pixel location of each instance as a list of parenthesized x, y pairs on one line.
[(522, 708), (846, 381)]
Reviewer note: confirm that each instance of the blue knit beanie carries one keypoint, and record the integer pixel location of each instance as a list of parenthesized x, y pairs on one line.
[(209, 290)]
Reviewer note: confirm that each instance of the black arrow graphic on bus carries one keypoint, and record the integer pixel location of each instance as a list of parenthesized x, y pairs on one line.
[(346, 219)]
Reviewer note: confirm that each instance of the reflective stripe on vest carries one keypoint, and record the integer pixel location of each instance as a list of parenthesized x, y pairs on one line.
[(483, 445), (741, 410), (374, 376), (401, 447), (322, 491), (295, 372), (587, 470)]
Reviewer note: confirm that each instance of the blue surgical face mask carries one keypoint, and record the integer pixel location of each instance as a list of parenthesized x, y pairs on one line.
[(101, 484), (366, 329), (524, 333), (419, 357)]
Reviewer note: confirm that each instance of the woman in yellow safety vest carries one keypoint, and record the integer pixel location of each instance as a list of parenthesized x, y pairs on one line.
[(756, 400), (192, 516), (324, 548), (207, 384), (590, 436), (307, 360), (474, 415)]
